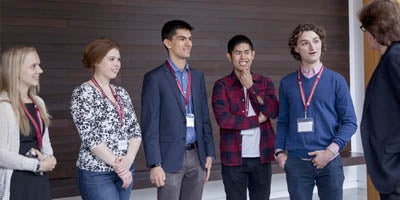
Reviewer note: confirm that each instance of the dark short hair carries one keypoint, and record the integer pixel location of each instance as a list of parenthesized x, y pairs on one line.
[(239, 39), (382, 19), (169, 28), (293, 39), (96, 50)]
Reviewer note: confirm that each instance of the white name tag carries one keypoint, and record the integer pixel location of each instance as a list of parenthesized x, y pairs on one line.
[(305, 125), (189, 120), (122, 145)]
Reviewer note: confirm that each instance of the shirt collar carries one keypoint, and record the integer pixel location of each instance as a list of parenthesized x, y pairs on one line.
[(174, 67), (310, 72)]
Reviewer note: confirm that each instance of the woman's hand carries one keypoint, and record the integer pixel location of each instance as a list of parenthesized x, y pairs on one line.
[(122, 164), (126, 177), (47, 163)]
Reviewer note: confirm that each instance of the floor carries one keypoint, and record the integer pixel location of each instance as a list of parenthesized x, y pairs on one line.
[(214, 190)]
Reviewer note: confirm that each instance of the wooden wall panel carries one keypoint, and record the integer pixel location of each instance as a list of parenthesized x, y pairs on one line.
[(59, 29)]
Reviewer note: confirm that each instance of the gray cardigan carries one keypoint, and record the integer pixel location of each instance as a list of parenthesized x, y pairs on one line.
[(10, 159)]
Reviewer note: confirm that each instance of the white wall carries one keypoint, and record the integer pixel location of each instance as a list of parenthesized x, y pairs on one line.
[(356, 174)]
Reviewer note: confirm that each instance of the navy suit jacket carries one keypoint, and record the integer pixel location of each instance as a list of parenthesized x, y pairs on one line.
[(163, 119), (380, 124)]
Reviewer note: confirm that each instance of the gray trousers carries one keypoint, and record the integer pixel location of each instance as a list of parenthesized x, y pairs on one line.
[(188, 183)]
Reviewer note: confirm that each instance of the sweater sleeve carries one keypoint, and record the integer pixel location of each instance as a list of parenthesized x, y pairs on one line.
[(283, 119), (346, 114), (9, 142)]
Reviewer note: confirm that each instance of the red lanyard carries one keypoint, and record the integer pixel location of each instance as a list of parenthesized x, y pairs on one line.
[(38, 128), (303, 98), (118, 106), (179, 84)]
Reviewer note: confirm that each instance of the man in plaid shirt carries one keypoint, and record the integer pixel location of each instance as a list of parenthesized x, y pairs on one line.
[(243, 104)]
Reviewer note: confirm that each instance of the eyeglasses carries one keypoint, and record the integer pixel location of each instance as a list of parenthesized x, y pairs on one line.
[(362, 28)]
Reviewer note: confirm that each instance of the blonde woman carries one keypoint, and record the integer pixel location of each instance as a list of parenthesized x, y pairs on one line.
[(25, 150)]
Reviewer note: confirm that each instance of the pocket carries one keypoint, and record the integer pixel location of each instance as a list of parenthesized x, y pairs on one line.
[(392, 148)]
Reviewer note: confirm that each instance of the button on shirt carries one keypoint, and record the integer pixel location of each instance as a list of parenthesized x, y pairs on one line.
[(182, 76)]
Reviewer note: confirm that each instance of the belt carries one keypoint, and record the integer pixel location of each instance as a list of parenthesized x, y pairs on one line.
[(191, 146)]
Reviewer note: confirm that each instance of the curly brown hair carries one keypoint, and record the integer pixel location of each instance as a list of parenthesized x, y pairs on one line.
[(293, 39)]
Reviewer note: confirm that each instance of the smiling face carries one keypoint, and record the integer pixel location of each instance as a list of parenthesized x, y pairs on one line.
[(180, 45), (309, 47), (30, 71), (109, 66), (241, 57)]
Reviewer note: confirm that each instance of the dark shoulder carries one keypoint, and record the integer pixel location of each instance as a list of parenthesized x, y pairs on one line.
[(196, 72), (158, 70)]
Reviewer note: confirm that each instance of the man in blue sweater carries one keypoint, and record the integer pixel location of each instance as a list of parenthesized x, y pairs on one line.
[(316, 120)]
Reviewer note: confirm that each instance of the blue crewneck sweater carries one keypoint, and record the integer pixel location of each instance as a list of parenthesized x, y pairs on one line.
[(331, 109)]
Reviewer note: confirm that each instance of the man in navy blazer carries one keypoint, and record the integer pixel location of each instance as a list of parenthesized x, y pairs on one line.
[(380, 124), (176, 128)]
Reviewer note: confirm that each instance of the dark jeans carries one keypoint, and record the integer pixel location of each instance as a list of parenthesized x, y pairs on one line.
[(395, 195), (250, 175), (102, 185), (302, 176)]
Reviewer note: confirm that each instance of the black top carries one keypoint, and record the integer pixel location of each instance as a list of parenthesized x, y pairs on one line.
[(27, 184)]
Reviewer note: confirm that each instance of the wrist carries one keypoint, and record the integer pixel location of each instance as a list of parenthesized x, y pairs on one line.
[(155, 165), (331, 151), (37, 171), (277, 153), (37, 167)]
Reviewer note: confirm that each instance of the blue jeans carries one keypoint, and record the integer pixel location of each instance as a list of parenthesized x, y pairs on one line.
[(251, 175), (102, 185), (302, 176)]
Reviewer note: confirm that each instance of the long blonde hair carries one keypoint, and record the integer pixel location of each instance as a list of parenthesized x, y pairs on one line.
[(10, 68)]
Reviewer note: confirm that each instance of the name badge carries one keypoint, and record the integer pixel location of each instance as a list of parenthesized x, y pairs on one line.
[(305, 125), (189, 120), (122, 145)]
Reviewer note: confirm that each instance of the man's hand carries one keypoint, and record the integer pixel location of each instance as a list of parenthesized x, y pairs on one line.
[(281, 159), (208, 165), (157, 176), (322, 158), (261, 117), (246, 79)]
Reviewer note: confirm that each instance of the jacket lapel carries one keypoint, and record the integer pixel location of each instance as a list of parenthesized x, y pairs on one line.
[(174, 87)]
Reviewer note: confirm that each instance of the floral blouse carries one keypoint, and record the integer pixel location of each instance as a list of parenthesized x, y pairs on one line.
[(98, 121)]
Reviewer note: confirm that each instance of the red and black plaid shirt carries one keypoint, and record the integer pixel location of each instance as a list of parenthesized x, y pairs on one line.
[(228, 103)]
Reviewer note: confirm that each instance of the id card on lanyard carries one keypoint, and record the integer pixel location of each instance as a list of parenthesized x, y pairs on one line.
[(122, 145), (306, 124), (189, 116)]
